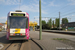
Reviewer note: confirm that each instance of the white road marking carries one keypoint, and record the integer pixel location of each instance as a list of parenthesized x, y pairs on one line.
[(1, 46)]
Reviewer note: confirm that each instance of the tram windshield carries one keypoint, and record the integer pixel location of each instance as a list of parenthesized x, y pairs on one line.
[(18, 22)]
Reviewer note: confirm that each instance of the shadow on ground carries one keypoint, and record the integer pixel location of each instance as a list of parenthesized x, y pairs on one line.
[(5, 41)]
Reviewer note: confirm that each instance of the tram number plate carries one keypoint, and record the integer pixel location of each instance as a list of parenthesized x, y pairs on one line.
[(17, 34)]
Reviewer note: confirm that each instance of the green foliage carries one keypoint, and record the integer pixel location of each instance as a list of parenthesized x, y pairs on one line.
[(47, 27), (53, 23), (38, 27), (57, 22), (43, 22), (64, 20), (49, 23), (59, 39)]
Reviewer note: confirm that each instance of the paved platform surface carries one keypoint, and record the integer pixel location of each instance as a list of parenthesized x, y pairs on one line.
[(48, 43)]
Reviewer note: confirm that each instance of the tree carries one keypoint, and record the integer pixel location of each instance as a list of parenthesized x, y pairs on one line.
[(43, 24), (64, 20), (49, 23), (53, 23), (57, 22)]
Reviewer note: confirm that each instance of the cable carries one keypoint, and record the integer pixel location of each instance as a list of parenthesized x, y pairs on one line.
[(19, 4), (68, 14), (60, 8), (69, 10)]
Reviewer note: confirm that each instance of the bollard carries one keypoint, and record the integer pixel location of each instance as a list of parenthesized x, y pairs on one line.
[(66, 30)]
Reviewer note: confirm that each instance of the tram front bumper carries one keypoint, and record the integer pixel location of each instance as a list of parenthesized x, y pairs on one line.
[(17, 38)]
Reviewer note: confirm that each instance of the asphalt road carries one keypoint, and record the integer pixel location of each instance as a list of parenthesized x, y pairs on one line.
[(16, 45)]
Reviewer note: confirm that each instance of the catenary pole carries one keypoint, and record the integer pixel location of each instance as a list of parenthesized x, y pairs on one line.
[(40, 22), (59, 20)]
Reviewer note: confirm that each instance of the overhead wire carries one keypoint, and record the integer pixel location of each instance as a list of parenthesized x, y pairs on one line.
[(68, 14), (60, 9), (19, 4), (68, 10)]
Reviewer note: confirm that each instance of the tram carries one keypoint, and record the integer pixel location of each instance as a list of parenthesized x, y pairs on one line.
[(17, 25)]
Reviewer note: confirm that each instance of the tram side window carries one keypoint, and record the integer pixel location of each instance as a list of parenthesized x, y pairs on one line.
[(8, 25), (27, 23)]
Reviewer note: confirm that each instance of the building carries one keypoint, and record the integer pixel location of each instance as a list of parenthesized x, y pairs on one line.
[(1, 25), (70, 25)]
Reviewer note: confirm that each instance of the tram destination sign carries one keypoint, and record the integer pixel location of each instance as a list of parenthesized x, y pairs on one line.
[(17, 14)]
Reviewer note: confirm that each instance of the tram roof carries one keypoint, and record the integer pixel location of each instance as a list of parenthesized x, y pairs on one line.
[(17, 12), (9, 14)]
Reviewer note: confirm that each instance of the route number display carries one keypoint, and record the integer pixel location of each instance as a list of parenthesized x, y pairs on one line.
[(17, 14)]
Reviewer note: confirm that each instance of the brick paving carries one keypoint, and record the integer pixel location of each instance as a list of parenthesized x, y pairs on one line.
[(47, 42)]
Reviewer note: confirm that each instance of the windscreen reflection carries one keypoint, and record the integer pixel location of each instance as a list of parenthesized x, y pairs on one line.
[(18, 22)]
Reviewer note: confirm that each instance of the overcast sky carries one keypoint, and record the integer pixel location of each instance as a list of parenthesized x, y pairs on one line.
[(50, 8)]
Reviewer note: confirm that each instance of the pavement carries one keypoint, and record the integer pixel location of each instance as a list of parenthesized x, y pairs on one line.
[(47, 42), (26, 45), (3, 31)]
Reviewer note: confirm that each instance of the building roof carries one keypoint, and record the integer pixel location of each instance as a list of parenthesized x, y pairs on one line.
[(1, 24), (71, 22)]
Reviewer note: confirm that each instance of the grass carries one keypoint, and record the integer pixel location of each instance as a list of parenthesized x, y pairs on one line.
[(65, 41), (59, 39)]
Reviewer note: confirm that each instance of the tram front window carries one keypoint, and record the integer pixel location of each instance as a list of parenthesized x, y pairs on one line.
[(18, 22)]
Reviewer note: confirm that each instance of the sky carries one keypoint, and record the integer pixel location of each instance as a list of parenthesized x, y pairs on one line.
[(50, 9)]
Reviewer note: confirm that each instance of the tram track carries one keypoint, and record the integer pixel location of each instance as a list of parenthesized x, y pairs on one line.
[(16, 45), (9, 45), (22, 45)]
